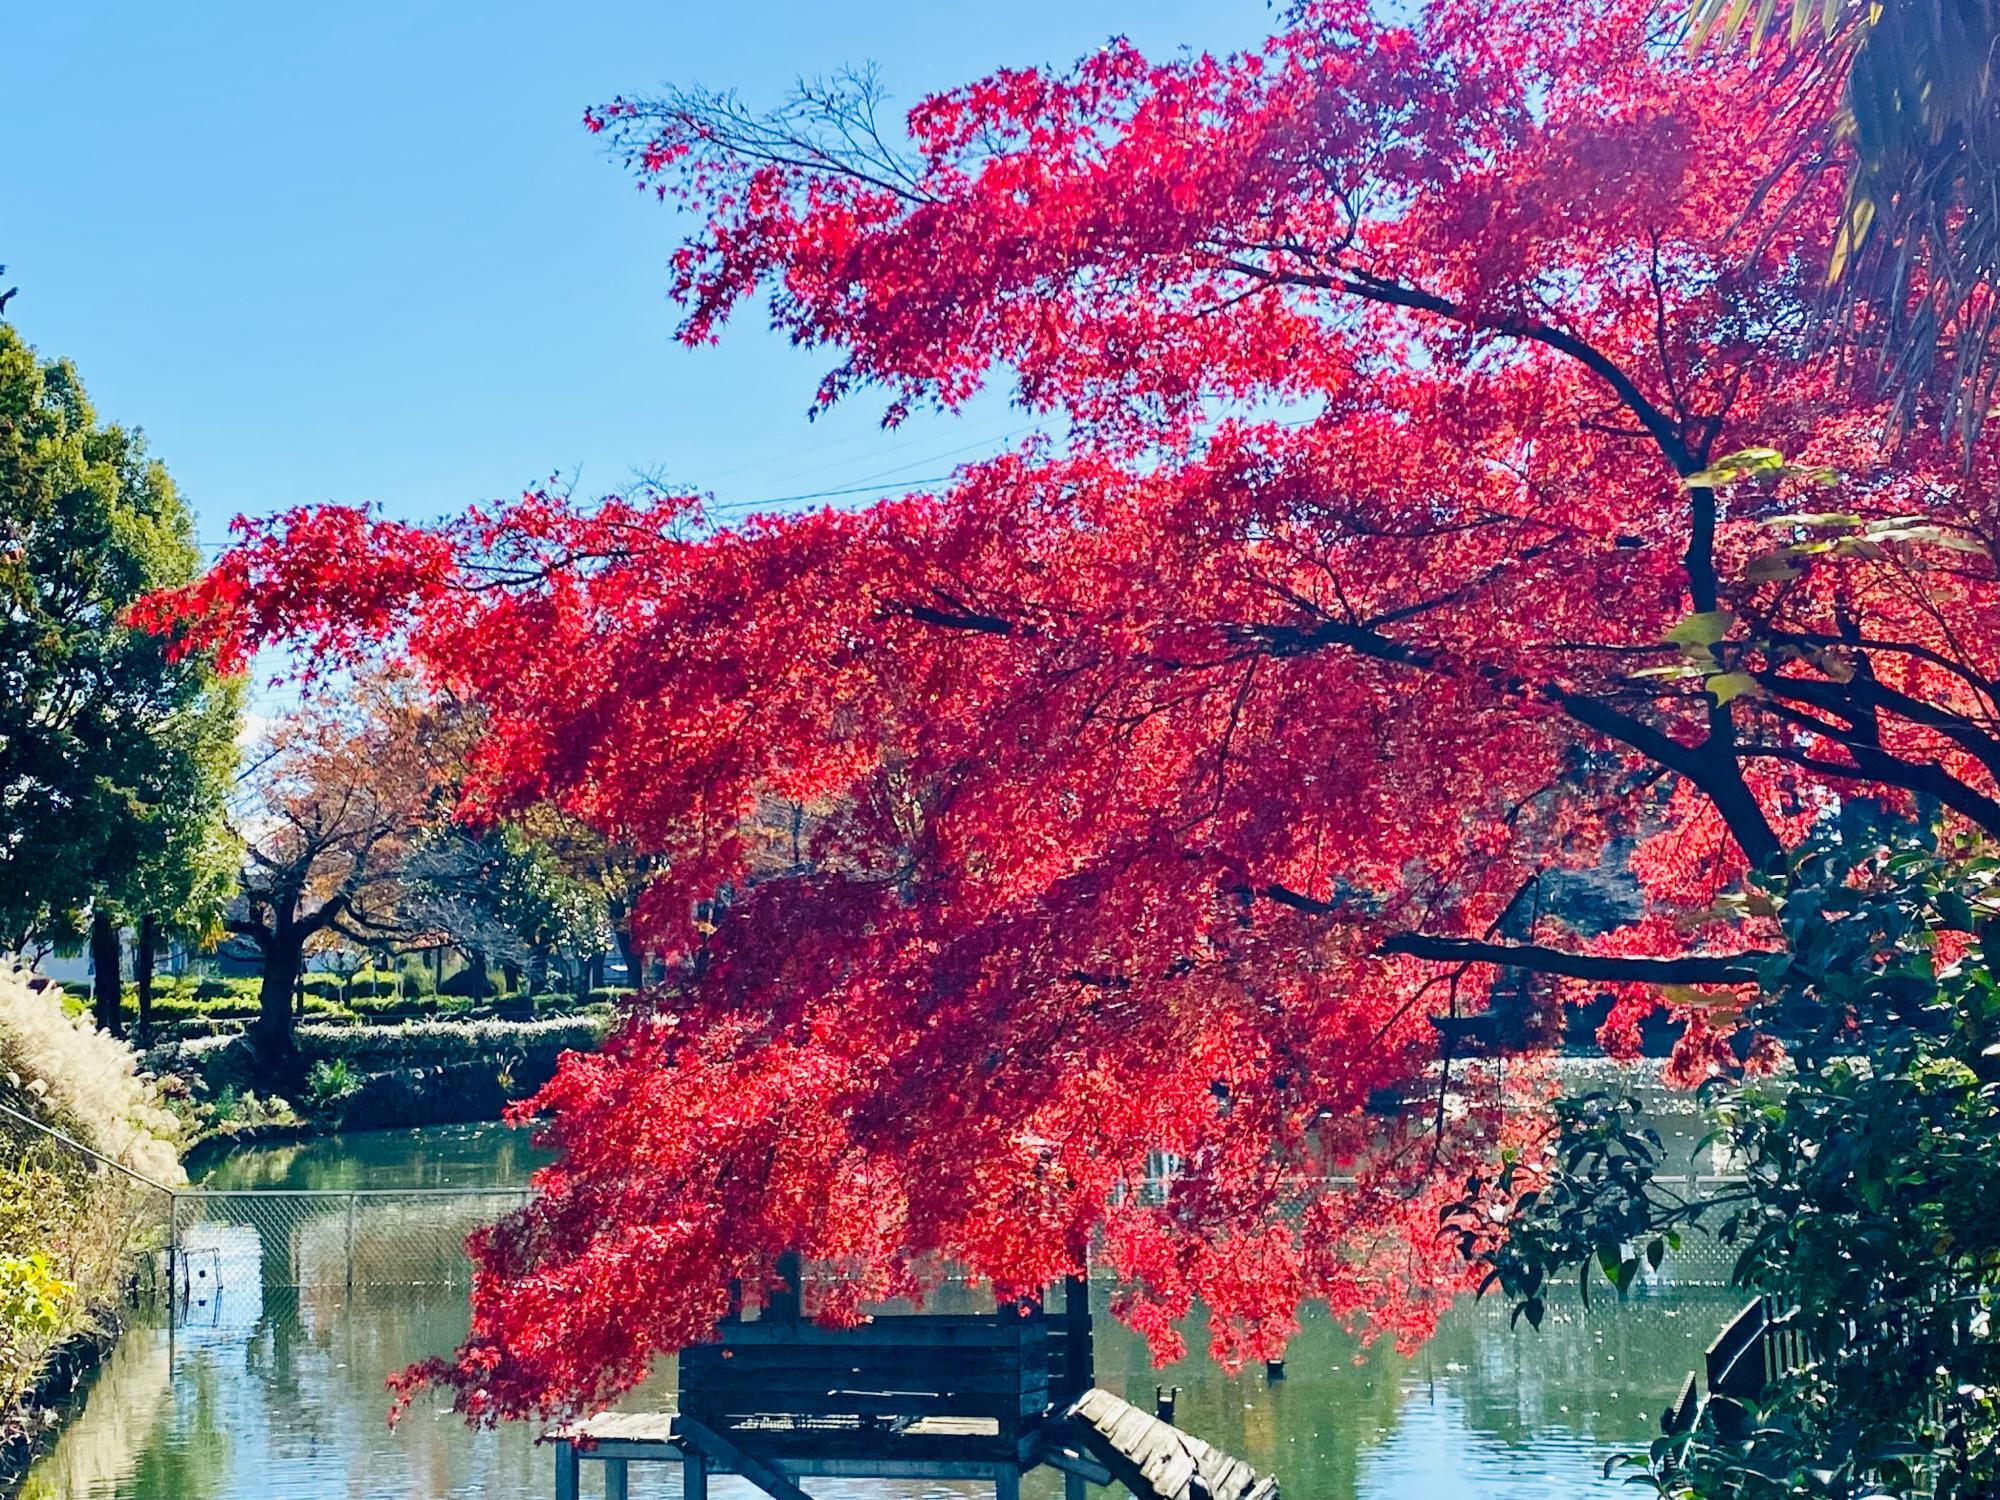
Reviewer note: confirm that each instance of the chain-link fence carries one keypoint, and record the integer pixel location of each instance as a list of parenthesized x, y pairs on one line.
[(277, 1237)]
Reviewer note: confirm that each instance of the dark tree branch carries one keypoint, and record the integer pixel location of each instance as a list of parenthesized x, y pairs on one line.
[(1734, 968)]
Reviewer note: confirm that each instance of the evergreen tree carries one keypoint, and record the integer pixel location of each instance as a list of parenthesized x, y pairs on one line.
[(114, 759)]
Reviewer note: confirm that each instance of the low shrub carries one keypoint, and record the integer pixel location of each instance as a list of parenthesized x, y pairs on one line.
[(329, 1083), (239, 1109), (610, 994), (424, 1042), (170, 1009), (564, 1003), (219, 987), (376, 1005), (416, 981)]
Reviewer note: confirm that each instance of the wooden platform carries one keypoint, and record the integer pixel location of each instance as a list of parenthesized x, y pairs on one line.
[(1101, 1439), (773, 1454), (978, 1396), (1156, 1460)]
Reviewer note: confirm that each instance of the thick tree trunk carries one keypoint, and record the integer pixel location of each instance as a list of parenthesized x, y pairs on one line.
[(283, 962), (107, 989), (628, 952), (481, 983), (142, 974)]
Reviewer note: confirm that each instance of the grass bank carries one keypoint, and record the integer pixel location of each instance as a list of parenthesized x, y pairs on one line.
[(76, 1229)]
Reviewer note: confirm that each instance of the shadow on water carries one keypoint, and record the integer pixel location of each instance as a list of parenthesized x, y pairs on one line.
[(276, 1392)]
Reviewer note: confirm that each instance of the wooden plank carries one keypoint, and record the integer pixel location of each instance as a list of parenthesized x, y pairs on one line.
[(1734, 1362), (624, 1427), (1009, 1410), (725, 1382), (953, 1427), (1678, 1419), (1155, 1460), (1064, 1452), (866, 1468), (969, 1330), (713, 1445), (907, 1362), (642, 1453), (807, 1452)]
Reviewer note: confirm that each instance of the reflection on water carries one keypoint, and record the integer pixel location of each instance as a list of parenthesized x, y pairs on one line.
[(276, 1393)]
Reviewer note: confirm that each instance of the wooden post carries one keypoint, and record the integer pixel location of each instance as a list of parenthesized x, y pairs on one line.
[(567, 1470), (785, 1303), (1079, 1365), (694, 1477), (700, 1440), (614, 1479), (1075, 1487), (1007, 1484)]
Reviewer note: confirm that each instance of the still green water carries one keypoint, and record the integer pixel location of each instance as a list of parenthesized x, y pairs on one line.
[(277, 1393)]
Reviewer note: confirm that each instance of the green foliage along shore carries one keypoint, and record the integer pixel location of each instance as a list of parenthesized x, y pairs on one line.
[(71, 1232)]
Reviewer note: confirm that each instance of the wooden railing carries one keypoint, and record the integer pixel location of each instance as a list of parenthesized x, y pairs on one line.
[(1759, 1346)]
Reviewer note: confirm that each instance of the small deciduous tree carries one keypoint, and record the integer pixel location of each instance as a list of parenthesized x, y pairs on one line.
[(335, 802)]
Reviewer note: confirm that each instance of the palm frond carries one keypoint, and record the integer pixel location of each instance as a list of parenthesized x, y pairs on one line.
[(1916, 256)]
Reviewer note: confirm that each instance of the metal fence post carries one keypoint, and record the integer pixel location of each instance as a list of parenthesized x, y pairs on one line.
[(173, 1267), (350, 1243)]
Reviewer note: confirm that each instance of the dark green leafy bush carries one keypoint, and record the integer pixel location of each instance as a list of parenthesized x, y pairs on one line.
[(1871, 1167)]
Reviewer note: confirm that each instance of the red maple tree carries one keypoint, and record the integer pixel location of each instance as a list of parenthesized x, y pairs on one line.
[(1153, 787)]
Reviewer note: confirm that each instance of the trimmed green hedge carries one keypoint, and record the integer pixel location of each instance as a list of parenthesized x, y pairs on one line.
[(450, 1041), (217, 988)]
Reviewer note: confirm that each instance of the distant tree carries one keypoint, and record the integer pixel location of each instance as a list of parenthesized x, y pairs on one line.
[(114, 758), (613, 869), (338, 797), (506, 898)]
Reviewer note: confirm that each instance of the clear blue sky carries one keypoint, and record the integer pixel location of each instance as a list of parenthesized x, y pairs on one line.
[(367, 252)]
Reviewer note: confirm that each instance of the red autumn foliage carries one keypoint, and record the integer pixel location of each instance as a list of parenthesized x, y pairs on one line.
[(1157, 785)]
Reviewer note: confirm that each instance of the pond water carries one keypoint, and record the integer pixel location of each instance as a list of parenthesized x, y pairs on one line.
[(277, 1393)]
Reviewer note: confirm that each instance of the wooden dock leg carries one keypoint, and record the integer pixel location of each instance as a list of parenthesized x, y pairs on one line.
[(614, 1479), (1007, 1484), (694, 1477), (1075, 1487), (567, 1470)]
